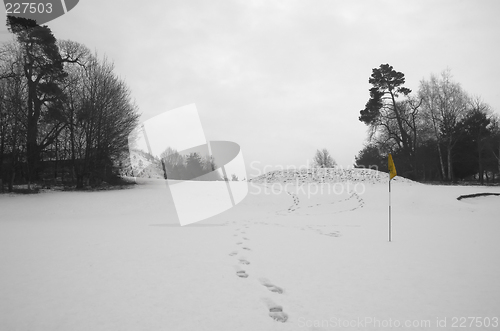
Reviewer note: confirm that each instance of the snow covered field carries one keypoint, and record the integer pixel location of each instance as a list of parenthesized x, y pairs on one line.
[(118, 260)]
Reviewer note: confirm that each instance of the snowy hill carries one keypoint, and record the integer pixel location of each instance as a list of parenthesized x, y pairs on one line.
[(143, 165), (326, 175)]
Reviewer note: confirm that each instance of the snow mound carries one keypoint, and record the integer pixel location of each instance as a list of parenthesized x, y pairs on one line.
[(326, 175)]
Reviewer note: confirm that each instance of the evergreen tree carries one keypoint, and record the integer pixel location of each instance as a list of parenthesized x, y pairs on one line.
[(42, 68)]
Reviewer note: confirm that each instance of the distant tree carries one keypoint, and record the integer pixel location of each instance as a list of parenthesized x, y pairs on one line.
[(194, 165), (234, 178), (190, 166), (323, 159), (174, 163), (208, 163)]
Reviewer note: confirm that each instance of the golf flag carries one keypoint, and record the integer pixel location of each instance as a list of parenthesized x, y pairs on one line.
[(392, 174), (392, 168)]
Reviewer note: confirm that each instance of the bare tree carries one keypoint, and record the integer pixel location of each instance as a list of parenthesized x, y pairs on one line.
[(444, 105), (323, 159), (99, 114), (13, 114)]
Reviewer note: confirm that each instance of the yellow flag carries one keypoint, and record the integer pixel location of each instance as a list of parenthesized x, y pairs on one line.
[(392, 168)]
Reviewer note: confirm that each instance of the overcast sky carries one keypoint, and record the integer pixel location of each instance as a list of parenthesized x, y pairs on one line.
[(284, 78)]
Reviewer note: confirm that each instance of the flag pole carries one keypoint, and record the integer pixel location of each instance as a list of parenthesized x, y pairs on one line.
[(392, 174), (390, 225)]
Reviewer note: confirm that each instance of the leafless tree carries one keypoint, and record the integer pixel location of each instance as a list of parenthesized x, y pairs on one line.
[(444, 104), (99, 114), (323, 159)]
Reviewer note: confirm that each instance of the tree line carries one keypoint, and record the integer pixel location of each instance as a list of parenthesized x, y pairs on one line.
[(63, 111), (174, 165), (440, 132), (189, 166), (193, 165)]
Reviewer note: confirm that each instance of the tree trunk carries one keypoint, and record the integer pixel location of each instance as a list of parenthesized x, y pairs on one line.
[(79, 181), (32, 131), (480, 164), (443, 173), (450, 168), (12, 176), (55, 162)]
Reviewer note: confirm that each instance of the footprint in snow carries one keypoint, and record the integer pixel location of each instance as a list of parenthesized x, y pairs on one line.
[(248, 249), (233, 253), (240, 272), (271, 287), (276, 311), (244, 261)]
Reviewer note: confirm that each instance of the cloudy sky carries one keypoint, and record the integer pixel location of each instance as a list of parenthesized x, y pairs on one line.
[(284, 78)]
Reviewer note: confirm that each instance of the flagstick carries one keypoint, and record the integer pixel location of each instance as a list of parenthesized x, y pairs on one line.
[(392, 173), (390, 226)]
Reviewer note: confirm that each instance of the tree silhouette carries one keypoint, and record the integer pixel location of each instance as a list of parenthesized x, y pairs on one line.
[(43, 71), (391, 120)]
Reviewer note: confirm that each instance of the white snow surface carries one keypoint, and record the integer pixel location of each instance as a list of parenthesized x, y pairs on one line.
[(118, 260)]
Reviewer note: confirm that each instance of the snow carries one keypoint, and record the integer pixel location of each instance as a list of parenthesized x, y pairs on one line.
[(119, 260)]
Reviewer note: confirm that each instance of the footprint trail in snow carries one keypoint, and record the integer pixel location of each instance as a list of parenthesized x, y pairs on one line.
[(275, 311)]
